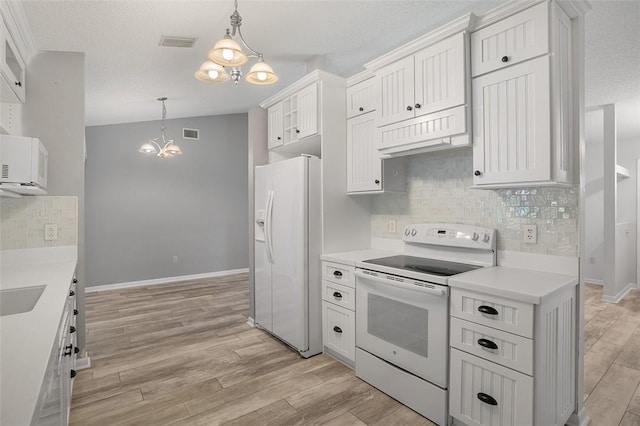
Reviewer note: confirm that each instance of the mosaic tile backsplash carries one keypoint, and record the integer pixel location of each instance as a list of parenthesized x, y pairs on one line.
[(438, 191), (22, 221)]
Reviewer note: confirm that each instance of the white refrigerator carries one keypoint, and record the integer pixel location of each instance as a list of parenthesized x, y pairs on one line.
[(288, 233)]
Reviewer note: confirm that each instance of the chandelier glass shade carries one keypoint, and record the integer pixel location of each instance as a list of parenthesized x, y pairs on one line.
[(228, 53), (161, 146)]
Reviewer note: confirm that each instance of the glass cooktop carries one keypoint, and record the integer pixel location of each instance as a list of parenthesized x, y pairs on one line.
[(423, 265)]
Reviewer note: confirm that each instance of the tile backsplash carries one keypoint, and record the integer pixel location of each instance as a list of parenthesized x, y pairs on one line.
[(438, 191), (22, 221)]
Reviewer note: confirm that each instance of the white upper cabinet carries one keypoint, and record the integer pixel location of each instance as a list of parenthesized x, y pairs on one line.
[(307, 123), (429, 81), (361, 98), (12, 69), (275, 125), (523, 113), (518, 38), (422, 98)]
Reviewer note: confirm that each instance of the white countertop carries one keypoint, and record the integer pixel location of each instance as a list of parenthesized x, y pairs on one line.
[(350, 258), (26, 339), (518, 284)]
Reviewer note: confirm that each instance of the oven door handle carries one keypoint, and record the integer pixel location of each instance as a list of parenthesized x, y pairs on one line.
[(433, 291)]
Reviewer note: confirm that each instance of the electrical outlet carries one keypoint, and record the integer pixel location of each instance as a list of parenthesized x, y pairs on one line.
[(175, 259), (50, 232), (391, 225), (530, 234)]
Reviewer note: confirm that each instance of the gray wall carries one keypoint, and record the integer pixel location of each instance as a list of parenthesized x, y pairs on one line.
[(143, 210), (54, 112)]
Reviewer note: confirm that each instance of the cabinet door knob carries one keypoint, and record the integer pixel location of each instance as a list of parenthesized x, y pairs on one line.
[(18, 83), (360, 109), (337, 329), (377, 181), (75, 312), (486, 343), (76, 350), (487, 399), (297, 130), (409, 108), (68, 350), (418, 106), (75, 280), (72, 329), (337, 274), (505, 59), (337, 295), (487, 310), (72, 293), (279, 138), (73, 373), (477, 173)]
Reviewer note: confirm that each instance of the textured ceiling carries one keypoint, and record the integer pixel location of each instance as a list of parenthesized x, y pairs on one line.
[(127, 70)]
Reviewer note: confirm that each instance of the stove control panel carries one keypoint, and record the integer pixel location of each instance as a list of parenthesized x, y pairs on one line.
[(454, 235)]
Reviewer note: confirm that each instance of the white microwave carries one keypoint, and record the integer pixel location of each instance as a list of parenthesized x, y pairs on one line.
[(23, 163)]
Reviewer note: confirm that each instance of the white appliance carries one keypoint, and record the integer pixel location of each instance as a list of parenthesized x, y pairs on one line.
[(402, 305), (23, 163), (287, 252)]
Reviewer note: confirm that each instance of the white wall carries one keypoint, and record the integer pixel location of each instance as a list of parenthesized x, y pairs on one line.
[(594, 201)]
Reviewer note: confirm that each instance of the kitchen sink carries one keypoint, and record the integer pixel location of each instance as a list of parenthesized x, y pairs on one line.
[(19, 300)]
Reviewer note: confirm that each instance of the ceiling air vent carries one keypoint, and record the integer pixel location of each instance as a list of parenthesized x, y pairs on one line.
[(172, 41), (5, 171), (191, 134)]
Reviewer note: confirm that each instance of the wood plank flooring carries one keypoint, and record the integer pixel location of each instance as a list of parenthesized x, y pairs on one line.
[(183, 354)]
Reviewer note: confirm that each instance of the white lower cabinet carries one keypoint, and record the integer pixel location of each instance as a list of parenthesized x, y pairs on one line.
[(338, 312), (339, 327), (512, 362), (484, 393)]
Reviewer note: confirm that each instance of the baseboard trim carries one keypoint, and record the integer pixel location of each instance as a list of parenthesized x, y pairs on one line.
[(593, 281), (579, 419), (618, 297), (83, 363), (251, 322), (156, 281)]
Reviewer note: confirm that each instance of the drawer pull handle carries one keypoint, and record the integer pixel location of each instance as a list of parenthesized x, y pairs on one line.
[(485, 343), (337, 295), (73, 373), (337, 329), (72, 293), (72, 329), (487, 310), (487, 399), (337, 274)]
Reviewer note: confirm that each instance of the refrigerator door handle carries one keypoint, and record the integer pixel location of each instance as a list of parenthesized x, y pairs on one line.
[(267, 227)]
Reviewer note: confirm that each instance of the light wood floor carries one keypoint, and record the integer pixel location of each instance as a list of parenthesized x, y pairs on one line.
[(182, 354)]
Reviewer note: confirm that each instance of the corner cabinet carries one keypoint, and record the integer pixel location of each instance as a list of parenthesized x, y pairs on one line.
[(367, 173), (422, 94), (523, 100)]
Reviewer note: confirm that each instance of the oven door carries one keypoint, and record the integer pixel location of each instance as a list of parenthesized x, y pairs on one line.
[(403, 323)]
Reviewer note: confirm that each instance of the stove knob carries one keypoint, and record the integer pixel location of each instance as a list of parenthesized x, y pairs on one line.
[(413, 232), (475, 236), (406, 231), (486, 238)]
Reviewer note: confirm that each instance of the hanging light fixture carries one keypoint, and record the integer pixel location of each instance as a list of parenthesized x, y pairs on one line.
[(161, 146), (228, 53)]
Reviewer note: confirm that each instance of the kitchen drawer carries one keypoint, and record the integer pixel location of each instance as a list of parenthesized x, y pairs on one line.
[(517, 38), (339, 294), (510, 315), (339, 330), (512, 351), (340, 274), (508, 394)]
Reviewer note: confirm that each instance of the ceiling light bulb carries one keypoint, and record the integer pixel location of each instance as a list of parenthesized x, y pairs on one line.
[(227, 54), (262, 76), (213, 74)]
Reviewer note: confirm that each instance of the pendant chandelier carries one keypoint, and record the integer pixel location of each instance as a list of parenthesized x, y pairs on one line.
[(161, 146), (228, 55)]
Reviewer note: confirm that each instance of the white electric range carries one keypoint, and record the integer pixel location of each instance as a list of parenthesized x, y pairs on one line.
[(402, 305)]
